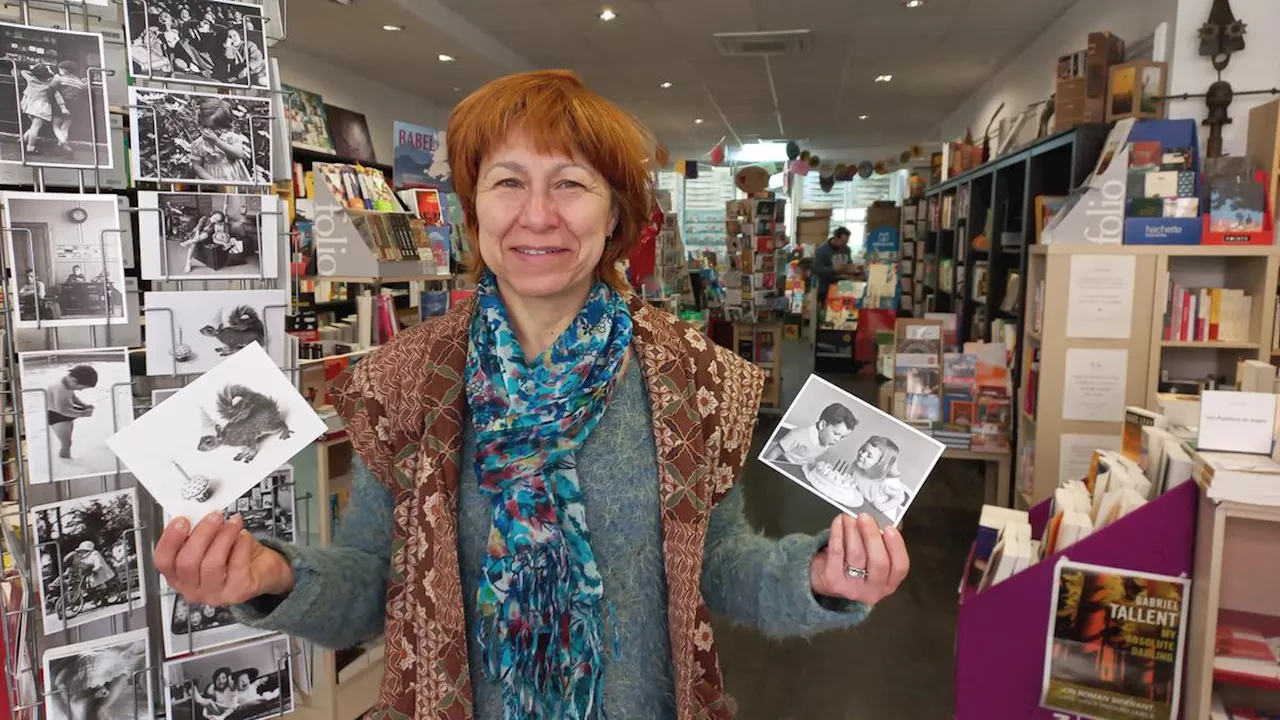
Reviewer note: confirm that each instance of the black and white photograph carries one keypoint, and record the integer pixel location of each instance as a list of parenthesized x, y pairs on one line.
[(65, 252), (105, 679), (72, 401), (53, 109), (851, 454), (189, 137), (192, 331), (205, 42), (87, 551), (248, 682), (203, 448), (206, 236), (268, 511)]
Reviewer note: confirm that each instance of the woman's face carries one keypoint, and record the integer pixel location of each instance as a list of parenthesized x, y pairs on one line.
[(542, 220), (868, 456)]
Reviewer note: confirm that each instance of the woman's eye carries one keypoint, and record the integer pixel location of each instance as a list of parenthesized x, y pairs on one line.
[(508, 183), (571, 185)]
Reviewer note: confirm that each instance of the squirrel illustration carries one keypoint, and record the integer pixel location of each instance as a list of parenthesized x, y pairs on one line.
[(243, 328), (248, 419)]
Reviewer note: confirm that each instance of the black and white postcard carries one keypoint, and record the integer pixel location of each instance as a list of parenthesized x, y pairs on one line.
[(87, 551), (106, 679), (247, 682), (203, 42), (56, 116), (72, 401), (208, 236), (851, 454), (191, 332), (268, 510), (200, 138), (200, 450), (66, 257)]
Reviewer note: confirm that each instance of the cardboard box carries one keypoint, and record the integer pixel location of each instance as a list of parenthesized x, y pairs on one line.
[(1081, 92), (813, 226)]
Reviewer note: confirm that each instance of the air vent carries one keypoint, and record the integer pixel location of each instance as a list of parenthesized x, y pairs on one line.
[(782, 42)]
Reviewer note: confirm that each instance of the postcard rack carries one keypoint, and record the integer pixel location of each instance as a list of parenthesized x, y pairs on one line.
[(27, 691), (1003, 630)]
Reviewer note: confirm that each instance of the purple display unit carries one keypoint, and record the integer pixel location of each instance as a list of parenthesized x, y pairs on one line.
[(1002, 632)]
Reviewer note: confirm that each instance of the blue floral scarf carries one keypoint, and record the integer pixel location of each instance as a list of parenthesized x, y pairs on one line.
[(541, 631)]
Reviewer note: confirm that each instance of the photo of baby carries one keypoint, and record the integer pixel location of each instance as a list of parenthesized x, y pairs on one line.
[(850, 453)]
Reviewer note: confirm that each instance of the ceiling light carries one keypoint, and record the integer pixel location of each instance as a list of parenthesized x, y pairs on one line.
[(607, 15), (697, 121), (761, 152), (883, 78), (666, 84), (914, 3), (862, 117), (446, 58), (393, 28)]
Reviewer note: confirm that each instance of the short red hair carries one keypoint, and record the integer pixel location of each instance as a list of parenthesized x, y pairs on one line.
[(560, 115)]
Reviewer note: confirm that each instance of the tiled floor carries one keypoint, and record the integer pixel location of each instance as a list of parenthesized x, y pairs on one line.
[(899, 663)]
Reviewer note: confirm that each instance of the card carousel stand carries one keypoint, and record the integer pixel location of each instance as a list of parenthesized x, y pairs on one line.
[(1003, 630), (26, 692)]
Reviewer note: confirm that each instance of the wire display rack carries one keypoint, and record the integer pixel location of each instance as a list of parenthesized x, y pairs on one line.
[(25, 640)]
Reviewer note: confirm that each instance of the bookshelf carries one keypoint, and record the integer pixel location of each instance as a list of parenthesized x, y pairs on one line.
[(1043, 434), (1233, 540)]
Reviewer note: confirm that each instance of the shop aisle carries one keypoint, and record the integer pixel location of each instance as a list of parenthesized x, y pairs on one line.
[(899, 663)]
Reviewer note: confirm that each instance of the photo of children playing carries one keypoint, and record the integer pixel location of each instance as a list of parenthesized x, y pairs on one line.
[(850, 453), (207, 235), (198, 41), (247, 682), (51, 117), (68, 411), (88, 558), (216, 139)]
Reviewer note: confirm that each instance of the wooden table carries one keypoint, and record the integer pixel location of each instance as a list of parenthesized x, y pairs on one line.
[(998, 466)]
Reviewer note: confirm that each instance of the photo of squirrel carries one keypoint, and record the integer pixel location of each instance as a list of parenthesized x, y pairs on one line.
[(248, 418), (243, 328)]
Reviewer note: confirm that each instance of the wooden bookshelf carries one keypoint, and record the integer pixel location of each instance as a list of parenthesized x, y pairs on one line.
[(1251, 269)]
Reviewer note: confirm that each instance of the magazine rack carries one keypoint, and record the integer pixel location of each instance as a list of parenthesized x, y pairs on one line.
[(1000, 644), (342, 255)]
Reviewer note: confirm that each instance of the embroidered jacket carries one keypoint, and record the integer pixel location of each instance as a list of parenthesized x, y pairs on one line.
[(405, 407)]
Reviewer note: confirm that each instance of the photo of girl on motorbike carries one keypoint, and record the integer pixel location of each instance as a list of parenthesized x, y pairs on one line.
[(88, 559)]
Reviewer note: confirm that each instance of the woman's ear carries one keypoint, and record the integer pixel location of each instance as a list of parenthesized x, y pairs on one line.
[(613, 221)]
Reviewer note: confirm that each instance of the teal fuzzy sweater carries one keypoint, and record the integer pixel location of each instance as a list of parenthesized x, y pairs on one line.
[(337, 600)]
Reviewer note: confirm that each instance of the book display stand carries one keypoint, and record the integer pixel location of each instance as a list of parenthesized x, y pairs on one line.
[(344, 254), (1003, 630)]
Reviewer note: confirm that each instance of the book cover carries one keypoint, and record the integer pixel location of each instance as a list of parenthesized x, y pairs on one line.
[(959, 371), (1115, 643), (1175, 159), (1145, 155), (1161, 185), (434, 303), (1148, 207)]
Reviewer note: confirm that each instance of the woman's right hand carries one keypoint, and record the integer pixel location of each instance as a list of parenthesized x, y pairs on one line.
[(219, 563)]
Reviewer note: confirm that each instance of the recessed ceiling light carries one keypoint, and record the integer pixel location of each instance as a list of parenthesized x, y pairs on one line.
[(697, 121), (446, 58), (607, 15), (393, 28), (665, 84), (883, 78), (862, 117), (914, 3)]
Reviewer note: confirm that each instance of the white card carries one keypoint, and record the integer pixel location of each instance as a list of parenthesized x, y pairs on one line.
[(207, 445), (1241, 422), (877, 466)]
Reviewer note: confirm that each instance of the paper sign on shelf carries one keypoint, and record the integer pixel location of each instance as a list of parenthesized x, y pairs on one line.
[(1242, 422)]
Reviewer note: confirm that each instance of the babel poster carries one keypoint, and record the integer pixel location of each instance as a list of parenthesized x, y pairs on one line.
[(1116, 642)]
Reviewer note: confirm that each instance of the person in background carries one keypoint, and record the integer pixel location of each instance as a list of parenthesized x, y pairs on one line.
[(832, 262), (77, 275), (32, 287)]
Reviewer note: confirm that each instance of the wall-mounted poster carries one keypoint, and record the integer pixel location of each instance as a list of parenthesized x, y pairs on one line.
[(203, 42), (308, 126), (350, 132), (421, 158), (52, 115)]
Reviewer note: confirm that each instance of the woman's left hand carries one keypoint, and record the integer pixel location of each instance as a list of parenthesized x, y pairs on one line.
[(858, 543)]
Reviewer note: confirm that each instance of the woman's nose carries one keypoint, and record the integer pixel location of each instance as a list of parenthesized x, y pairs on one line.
[(539, 212)]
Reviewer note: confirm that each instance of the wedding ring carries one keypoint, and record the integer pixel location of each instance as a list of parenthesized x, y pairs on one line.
[(854, 572)]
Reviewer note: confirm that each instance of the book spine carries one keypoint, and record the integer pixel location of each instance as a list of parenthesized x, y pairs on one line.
[(1215, 314), (1184, 314)]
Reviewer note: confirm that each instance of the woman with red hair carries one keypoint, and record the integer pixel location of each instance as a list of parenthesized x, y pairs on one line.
[(543, 514)]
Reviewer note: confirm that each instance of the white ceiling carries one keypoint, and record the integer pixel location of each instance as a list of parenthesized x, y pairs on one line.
[(938, 55)]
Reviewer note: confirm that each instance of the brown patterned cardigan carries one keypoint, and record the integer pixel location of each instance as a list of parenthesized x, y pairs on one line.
[(405, 409)]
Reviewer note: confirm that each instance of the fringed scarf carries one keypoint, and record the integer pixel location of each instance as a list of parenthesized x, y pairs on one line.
[(541, 630)]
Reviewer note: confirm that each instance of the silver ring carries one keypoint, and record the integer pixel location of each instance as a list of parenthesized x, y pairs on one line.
[(854, 572)]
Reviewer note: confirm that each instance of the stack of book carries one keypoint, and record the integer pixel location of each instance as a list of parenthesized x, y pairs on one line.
[(1161, 182), (1206, 314)]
